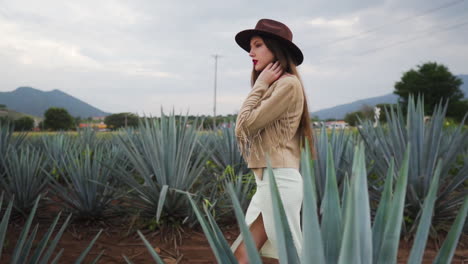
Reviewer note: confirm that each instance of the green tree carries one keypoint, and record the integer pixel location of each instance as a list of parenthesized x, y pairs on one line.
[(58, 119), (352, 118), (458, 110), (119, 120), (24, 123), (366, 112), (435, 82), (2, 106)]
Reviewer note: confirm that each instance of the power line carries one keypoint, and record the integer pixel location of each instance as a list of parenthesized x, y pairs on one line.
[(412, 39), (369, 51), (338, 40)]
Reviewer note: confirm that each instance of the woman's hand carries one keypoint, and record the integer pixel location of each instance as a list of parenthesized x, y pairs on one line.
[(271, 73)]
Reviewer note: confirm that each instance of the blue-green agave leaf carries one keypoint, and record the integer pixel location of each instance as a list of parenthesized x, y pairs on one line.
[(447, 250)]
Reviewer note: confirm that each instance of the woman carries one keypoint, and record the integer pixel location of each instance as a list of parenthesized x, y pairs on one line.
[(273, 121)]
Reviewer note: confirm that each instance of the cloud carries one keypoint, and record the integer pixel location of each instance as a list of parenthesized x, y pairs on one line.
[(335, 23), (140, 55)]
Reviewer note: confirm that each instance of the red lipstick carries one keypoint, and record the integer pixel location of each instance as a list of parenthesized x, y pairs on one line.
[(255, 61)]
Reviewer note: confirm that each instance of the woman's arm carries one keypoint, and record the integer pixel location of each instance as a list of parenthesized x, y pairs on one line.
[(255, 113)]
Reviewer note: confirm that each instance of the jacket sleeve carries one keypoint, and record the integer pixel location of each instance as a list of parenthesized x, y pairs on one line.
[(256, 114)]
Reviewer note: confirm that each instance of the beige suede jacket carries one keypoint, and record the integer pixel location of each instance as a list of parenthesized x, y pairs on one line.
[(268, 122)]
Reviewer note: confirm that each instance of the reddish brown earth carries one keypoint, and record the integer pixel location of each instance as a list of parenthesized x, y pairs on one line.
[(116, 240), (193, 249)]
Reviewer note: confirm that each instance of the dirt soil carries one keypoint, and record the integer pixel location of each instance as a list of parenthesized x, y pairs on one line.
[(194, 248)]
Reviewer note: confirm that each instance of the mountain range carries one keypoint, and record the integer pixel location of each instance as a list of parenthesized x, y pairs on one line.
[(339, 111), (35, 102)]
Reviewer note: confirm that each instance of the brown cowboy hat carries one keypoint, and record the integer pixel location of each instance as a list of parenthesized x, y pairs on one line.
[(274, 29)]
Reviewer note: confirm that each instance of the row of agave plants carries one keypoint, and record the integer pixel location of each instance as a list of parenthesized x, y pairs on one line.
[(167, 171), (344, 233)]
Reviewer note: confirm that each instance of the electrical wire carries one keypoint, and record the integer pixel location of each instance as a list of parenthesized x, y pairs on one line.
[(412, 39), (349, 37), (397, 43)]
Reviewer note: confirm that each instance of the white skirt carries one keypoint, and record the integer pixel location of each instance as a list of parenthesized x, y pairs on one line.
[(289, 181)]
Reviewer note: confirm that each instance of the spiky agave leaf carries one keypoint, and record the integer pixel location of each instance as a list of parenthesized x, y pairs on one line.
[(88, 187), (430, 141), (243, 185), (356, 246), (226, 151), (217, 242), (8, 140), (417, 251), (447, 250), (57, 145), (342, 143), (45, 247), (87, 137), (163, 152), (23, 177), (287, 251), (330, 210), (4, 222), (313, 248), (252, 252), (359, 240), (391, 237), (382, 214)]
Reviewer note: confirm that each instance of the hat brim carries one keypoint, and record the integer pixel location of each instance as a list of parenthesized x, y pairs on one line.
[(243, 40)]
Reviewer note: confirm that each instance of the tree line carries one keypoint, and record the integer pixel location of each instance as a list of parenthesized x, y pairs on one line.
[(56, 119), (431, 80)]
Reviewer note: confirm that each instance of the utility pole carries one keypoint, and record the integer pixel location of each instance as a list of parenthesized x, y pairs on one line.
[(216, 56)]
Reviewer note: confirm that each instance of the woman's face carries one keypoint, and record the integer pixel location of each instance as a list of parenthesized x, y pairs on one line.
[(261, 55)]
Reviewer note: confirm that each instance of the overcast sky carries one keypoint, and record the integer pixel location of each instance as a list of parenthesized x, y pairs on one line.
[(141, 55)]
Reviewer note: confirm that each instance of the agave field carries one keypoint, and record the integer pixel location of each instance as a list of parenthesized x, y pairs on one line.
[(395, 192)]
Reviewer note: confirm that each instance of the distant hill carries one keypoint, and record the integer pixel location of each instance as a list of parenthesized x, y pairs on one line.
[(35, 102), (11, 114), (340, 111)]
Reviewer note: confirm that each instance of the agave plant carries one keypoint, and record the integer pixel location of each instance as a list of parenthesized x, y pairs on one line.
[(23, 176), (7, 140), (163, 154), (346, 233), (244, 187), (342, 143), (55, 147), (225, 165), (45, 247), (430, 143), (87, 137), (88, 187), (225, 150)]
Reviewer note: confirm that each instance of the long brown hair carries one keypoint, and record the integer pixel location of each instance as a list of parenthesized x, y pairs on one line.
[(289, 66)]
